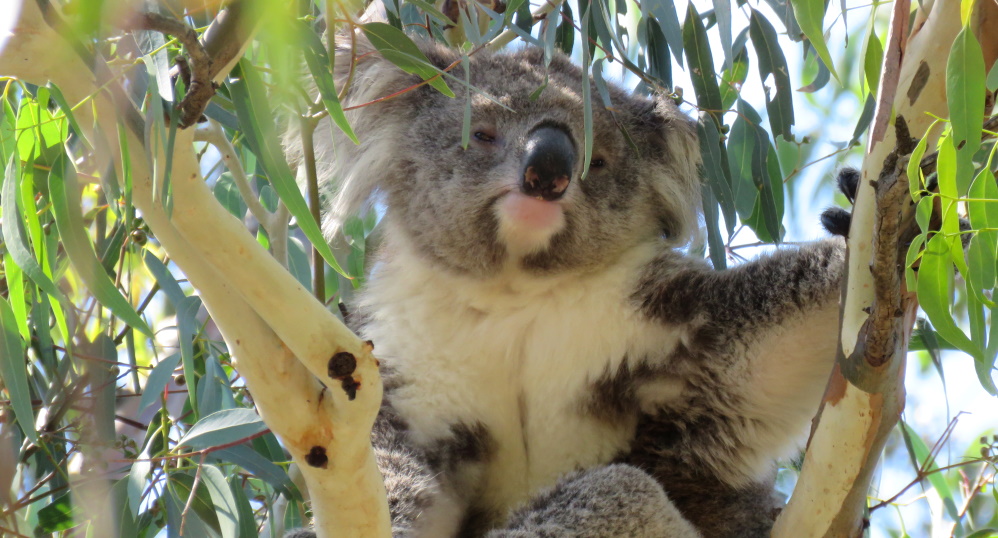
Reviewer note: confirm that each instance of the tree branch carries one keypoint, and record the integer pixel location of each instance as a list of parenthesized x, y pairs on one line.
[(865, 394), (283, 337), (200, 88)]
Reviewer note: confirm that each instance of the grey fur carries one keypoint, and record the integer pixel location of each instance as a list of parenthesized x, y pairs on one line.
[(611, 501), (697, 439)]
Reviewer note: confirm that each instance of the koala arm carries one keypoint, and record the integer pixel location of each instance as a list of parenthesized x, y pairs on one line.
[(756, 346)]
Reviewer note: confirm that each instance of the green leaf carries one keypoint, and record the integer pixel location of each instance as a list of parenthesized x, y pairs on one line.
[(657, 52), (8, 131), (66, 206), (733, 78), (164, 278), (756, 179), (982, 208), (250, 100), (913, 255), (773, 63), (13, 234), (40, 135), (865, 118), (715, 167), (722, 12), (62, 514), (318, 64), (397, 48), (981, 259), (923, 212), (821, 78), (810, 15), (201, 502), (188, 328), (965, 94), (247, 522), (935, 291), (873, 59), (718, 253), (565, 37), (992, 80), (226, 509), (13, 370), (262, 467), (67, 110), (701, 64), (161, 374), (916, 178), (227, 194), (666, 16), (15, 294), (587, 98), (947, 166), (223, 427)]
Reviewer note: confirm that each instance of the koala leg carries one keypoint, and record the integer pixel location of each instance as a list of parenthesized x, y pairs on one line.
[(605, 502)]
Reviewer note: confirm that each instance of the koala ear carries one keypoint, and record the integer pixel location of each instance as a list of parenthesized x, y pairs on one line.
[(349, 173), (676, 153)]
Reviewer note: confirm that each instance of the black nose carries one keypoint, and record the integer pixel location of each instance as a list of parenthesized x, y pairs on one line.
[(547, 163)]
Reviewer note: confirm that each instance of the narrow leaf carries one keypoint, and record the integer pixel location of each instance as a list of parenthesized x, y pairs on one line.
[(935, 291), (810, 15), (13, 370), (318, 64), (161, 374), (13, 234), (66, 206), (399, 49), (701, 64), (223, 427), (965, 92), (665, 14), (773, 64)]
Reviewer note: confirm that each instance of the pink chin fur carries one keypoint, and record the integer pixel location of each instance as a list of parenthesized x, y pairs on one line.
[(523, 211)]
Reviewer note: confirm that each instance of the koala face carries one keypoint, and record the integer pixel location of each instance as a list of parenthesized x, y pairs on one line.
[(515, 197)]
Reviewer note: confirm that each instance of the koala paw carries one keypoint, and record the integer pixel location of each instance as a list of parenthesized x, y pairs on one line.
[(836, 220)]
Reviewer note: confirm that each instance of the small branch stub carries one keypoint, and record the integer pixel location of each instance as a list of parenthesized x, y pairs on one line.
[(342, 364), (196, 73), (317, 457), (341, 367)]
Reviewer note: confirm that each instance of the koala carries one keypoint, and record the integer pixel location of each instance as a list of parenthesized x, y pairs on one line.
[(555, 362)]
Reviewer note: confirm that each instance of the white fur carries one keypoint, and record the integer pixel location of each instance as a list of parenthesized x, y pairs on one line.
[(516, 353)]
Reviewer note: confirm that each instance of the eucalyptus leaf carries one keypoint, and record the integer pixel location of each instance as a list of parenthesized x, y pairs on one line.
[(223, 427)]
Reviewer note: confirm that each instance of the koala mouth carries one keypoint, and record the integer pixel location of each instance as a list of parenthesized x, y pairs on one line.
[(527, 224)]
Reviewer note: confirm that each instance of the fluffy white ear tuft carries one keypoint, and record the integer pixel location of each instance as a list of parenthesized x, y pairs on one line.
[(680, 183), (349, 173)]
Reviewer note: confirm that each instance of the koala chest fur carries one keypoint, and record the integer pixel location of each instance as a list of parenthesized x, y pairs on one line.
[(514, 360)]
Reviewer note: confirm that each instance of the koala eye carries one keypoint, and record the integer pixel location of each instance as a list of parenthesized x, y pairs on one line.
[(597, 163), (482, 136)]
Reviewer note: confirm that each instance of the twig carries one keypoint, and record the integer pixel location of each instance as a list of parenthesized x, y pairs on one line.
[(201, 89), (504, 38), (312, 181), (190, 498)]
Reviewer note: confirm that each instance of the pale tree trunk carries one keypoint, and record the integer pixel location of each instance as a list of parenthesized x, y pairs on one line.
[(283, 338), (865, 395)]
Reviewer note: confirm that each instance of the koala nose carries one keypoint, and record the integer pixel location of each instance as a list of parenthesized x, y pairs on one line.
[(547, 163)]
